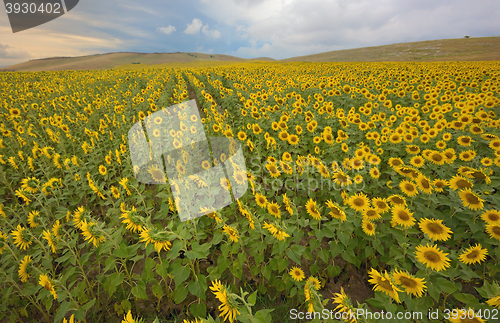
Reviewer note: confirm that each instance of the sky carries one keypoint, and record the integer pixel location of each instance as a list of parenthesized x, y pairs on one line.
[(245, 28)]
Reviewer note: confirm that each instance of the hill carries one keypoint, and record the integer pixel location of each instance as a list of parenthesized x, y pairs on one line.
[(462, 49), (121, 60)]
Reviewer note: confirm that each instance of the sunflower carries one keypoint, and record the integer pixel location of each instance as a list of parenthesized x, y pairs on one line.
[(417, 161), (158, 175), (341, 178), (465, 316), (297, 274), (424, 184), (491, 217), (402, 216), (471, 199), (275, 231), (408, 188), (242, 135), (384, 284), (90, 233), (435, 229), (380, 205), (46, 283), (30, 184), (115, 192), (368, 227), (102, 170), (494, 302), (412, 149), (336, 212), (286, 201), (273, 170), (156, 237), (274, 209), (231, 232), (493, 230), (261, 200), (467, 155), (344, 306), (432, 257), (395, 162), (50, 241), (411, 284), (359, 202), (312, 210), (22, 237), (31, 219), (23, 269), (464, 140), (473, 255), (459, 182), (133, 220), (371, 214), (224, 183)]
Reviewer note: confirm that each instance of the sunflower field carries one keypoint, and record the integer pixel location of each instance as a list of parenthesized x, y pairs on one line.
[(372, 188)]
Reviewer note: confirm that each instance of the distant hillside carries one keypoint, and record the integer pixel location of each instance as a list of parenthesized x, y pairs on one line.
[(462, 49), (113, 60)]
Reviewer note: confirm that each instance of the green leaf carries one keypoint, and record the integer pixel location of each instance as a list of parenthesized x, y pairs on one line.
[(198, 288), (109, 263), (446, 285), (89, 304), (349, 256), (157, 291), (344, 237), (180, 294), (335, 248), (198, 251), (180, 274), (324, 254), (313, 244), (252, 298), (161, 270), (63, 309), (198, 310), (139, 290), (30, 289)]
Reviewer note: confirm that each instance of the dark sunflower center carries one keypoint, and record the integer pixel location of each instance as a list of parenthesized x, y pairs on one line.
[(403, 215), (432, 256), (463, 183), (435, 228), (359, 202), (409, 187), (386, 284), (496, 230), (371, 213), (474, 254), (437, 157), (425, 183), (472, 199), (408, 282), (381, 205)]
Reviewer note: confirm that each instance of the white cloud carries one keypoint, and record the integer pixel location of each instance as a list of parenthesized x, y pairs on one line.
[(194, 27), (167, 30), (212, 33)]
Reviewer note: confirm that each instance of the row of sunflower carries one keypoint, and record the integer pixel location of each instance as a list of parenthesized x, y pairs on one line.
[(385, 171)]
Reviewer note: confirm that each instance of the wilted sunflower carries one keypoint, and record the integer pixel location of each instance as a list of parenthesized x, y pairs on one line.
[(384, 284), (435, 229), (471, 199), (359, 202), (312, 210), (402, 216), (411, 284), (473, 255), (432, 257), (297, 273), (336, 212), (491, 217)]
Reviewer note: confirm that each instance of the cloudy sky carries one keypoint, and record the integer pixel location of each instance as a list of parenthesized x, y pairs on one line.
[(245, 28)]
